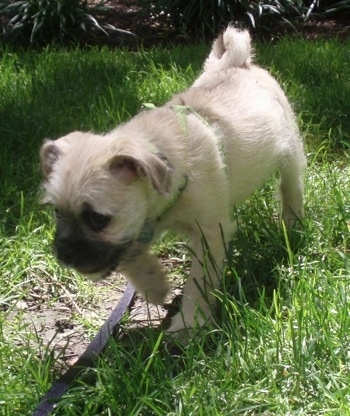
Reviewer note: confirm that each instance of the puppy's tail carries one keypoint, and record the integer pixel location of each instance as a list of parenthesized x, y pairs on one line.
[(231, 49)]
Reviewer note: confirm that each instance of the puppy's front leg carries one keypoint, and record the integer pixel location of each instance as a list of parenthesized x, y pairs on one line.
[(146, 274)]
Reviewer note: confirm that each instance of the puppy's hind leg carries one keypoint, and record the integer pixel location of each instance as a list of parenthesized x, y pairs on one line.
[(291, 186), (149, 279)]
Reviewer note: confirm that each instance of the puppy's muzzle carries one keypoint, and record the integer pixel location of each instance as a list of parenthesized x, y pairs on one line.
[(87, 256)]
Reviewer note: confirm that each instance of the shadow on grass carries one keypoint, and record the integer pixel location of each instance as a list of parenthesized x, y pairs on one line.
[(70, 95)]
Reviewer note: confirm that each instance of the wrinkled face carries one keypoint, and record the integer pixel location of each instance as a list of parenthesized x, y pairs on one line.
[(80, 242), (101, 202), (98, 220)]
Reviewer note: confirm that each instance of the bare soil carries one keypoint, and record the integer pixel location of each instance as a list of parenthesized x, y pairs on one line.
[(67, 327)]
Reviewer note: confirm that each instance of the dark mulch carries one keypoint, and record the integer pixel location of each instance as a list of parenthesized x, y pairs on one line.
[(151, 28)]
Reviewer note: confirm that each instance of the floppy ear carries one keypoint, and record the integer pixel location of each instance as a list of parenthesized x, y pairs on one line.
[(128, 168), (49, 153), (52, 150)]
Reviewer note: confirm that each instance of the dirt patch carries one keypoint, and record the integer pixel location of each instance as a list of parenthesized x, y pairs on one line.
[(66, 328)]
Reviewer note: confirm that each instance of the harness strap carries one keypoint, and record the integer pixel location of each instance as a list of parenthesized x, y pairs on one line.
[(94, 349)]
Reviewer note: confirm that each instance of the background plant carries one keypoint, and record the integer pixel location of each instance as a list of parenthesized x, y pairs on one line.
[(45, 21), (206, 17), (85, 21)]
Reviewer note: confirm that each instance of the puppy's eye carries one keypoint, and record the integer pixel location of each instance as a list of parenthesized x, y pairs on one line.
[(95, 221), (58, 214)]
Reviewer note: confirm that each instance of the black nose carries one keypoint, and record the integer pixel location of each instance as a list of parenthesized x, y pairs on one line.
[(70, 250), (87, 255), (64, 251)]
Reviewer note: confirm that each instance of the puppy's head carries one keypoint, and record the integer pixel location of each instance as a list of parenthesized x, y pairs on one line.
[(101, 188)]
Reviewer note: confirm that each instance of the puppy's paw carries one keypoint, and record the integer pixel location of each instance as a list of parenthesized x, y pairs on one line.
[(157, 294), (291, 220), (183, 327)]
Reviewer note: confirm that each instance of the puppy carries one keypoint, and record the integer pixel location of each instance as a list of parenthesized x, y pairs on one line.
[(181, 167)]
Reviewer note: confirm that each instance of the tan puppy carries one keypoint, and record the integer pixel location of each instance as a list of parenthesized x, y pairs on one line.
[(181, 167)]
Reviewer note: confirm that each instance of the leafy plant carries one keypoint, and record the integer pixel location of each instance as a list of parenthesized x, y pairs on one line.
[(338, 7), (44, 21), (205, 18)]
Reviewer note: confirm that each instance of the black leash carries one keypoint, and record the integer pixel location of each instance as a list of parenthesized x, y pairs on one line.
[(86, 359)]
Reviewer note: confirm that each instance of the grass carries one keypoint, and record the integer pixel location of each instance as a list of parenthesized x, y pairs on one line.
[(281, 345)]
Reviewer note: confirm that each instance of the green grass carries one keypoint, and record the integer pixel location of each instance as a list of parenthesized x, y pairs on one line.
[(281, 345)]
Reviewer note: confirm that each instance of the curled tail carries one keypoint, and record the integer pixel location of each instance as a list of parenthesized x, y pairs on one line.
[(231, 49)]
